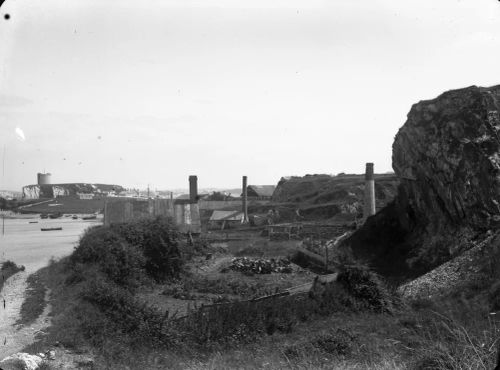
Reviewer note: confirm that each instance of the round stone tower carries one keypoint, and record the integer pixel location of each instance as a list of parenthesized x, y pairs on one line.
[(43, 178)]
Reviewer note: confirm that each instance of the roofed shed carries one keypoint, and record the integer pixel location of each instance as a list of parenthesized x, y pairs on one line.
[(260, 191)]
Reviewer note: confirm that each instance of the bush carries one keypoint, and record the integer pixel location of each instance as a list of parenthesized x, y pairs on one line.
[(116, 258), (245, 320), (9, 265), (8, 269), (367, 289), (158, 239), (124, 313)]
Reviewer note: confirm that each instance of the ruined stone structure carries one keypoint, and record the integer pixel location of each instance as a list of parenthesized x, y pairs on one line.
[(244, 196), (369, 201), (185, 212), (193, 189), (43, 178)]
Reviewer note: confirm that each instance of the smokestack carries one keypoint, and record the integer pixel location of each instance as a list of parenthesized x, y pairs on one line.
[(244, 195), (369, 206), (193, 189)]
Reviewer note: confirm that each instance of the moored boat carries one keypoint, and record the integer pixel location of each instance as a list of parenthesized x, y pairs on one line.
[(50, 228)]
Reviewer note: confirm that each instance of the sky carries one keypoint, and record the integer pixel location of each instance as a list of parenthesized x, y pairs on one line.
[(150, 92)]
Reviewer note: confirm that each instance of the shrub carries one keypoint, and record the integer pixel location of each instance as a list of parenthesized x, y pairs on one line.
[(116, 258), (246, 320), (8, 269), (124, 312), (367, 289), (158, 239), (9, 265)]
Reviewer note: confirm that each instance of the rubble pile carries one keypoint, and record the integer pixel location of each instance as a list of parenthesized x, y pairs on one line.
[(260, 265)]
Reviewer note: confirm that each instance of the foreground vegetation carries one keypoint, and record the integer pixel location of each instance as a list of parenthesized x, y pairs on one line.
[(34, 303), (8, 269), (356, 324)]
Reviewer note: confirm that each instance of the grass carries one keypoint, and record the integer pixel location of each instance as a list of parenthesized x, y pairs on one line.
[(34, 302), (353, 324), (449, 334), (8, 269)]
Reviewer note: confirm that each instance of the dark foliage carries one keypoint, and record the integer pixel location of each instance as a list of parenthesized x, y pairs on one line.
[(9, 265), (8, 269), (34, 302), (367, 289), (120, 261), (158, 239)]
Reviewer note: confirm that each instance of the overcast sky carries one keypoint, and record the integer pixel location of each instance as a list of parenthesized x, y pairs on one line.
[(138, 92)]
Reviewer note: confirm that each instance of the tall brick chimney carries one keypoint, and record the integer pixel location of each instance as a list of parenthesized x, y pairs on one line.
[(193, 189), (244, 196), (369, 203)]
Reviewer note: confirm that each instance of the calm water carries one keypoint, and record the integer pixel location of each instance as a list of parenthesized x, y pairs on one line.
[(27, 245)]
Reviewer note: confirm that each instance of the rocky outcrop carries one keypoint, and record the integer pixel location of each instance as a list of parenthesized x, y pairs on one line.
[(72, 189), (326, 196), (447, 156), (31, 192)]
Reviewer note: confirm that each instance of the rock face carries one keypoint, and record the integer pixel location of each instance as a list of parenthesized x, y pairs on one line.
[(73, 189), (447, 156)]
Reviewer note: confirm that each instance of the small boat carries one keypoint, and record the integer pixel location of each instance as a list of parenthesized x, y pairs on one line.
[(51, 228), (89, 217), (33, 222), (75, 217), (44, 216)]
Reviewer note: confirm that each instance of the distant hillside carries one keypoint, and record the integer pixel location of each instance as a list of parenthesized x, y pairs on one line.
[(318, 189), (321, 197)]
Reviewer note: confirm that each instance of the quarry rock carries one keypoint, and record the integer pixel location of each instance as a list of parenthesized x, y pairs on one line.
[(447, 157), (21, 360)]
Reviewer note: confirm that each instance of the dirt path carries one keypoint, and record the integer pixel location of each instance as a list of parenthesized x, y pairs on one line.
[(12, 338)]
